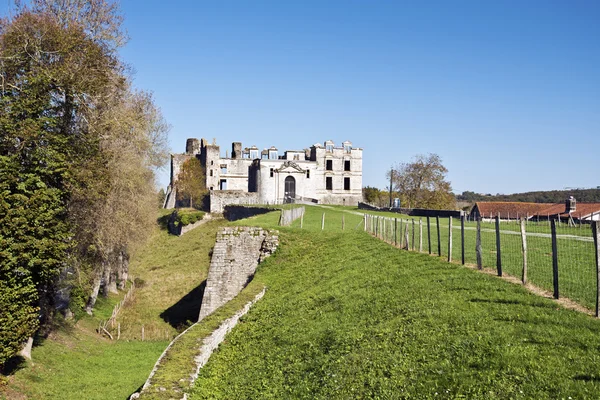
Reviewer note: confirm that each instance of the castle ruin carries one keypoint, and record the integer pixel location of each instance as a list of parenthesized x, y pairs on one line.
[(321, 174)]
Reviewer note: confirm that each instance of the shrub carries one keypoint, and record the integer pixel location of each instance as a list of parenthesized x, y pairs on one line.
[(189, 217)]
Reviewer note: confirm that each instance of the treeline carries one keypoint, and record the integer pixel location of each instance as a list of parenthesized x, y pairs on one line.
[(550, 196), (78, 150)]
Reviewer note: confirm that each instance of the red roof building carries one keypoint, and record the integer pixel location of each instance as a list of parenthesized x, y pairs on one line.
[(514, 210)]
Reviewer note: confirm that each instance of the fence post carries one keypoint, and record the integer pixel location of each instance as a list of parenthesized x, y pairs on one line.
[(406, 245), (365, 222), (302, 220), (478, 245), (450, 239), (395, 231), (323, 222), (462, 238), (142, 333), (437, 222), (420, 235), (554, 258), (498, 249), (596, 233), (429, 234), (413, 234), (524, 243)]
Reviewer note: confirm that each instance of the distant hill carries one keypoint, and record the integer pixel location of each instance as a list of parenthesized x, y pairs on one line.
[(550, 196)]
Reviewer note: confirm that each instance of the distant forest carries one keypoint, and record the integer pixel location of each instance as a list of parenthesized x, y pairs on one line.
[(551, 196)]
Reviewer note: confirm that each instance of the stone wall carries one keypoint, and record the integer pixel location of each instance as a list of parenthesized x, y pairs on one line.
[(289, 216), (236, 254), (414, 212), (233, 213), (220, 198), (182, 229)]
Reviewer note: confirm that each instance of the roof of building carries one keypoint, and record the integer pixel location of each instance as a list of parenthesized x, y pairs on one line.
[(512, 209), (506, 209), (582, 210)]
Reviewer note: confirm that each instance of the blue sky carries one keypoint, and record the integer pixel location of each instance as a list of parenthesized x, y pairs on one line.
[(506, 92)]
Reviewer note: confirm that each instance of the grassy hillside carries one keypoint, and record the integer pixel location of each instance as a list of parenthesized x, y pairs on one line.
[(347, 316), (77, 363)]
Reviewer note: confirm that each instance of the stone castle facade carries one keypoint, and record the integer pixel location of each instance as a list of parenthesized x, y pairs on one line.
[(321, 174)]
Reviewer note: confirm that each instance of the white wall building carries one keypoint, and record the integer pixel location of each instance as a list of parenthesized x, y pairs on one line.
[(322, 174)]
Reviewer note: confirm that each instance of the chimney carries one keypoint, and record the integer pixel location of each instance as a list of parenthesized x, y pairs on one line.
[(570, 205), (192, 146), (236, 150)]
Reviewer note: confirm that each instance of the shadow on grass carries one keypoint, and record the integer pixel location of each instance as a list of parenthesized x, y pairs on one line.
[(509, 302), (138, 390), (12, 365), (587, 378), (185, 312), (163, 221)]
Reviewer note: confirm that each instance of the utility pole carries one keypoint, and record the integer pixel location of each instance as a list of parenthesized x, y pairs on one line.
[(391, 178)]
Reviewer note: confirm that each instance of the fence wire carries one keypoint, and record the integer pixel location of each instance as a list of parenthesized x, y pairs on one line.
[(575, 249)]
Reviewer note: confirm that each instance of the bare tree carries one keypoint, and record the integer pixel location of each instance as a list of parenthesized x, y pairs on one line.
[(422, 183)]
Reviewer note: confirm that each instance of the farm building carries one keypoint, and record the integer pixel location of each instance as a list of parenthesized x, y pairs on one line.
[(570, 209), (325, 173)]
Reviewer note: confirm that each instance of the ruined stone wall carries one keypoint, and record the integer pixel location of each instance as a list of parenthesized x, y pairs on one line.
[(414, 212), (289, 216), (236, 254), (220, 198), (233, 213)]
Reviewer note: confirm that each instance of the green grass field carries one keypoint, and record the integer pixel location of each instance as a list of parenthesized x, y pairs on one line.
[(577, 272), (348, 316), (345, 316)]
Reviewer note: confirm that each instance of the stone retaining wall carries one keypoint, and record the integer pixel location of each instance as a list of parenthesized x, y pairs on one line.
[(236, 254), (414, 212)]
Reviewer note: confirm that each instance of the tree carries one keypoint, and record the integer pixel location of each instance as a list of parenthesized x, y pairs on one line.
[(191, 184), (78, 150), (376, 197), (422, 183)]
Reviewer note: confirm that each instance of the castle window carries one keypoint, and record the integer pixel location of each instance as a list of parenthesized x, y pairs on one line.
[(346, 183), (272, 155), (245, 155), (329, 147), (211, 162), (347, 165), (308, 173), (328, 183), (272, 171), (254, 154), (223, 184), (211, 173), (264, 156), (329, 165), (347, 148), (223, 169)]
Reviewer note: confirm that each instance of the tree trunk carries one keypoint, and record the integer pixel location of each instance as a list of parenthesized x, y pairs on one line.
[(106, 267), (94, 294), (121, 270), (26, 351)]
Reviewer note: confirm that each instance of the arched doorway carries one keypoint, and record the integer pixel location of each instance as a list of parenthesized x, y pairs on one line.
[(290, 188)]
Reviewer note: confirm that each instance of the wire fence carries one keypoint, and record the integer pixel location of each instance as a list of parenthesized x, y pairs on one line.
[(555, 256)]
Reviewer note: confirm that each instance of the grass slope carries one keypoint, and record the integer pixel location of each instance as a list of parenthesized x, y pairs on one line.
[(76, 363), (347, 316)]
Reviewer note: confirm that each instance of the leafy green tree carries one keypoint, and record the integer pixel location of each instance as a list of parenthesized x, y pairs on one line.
[(422, 183), (78, 149), (191, 184)]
